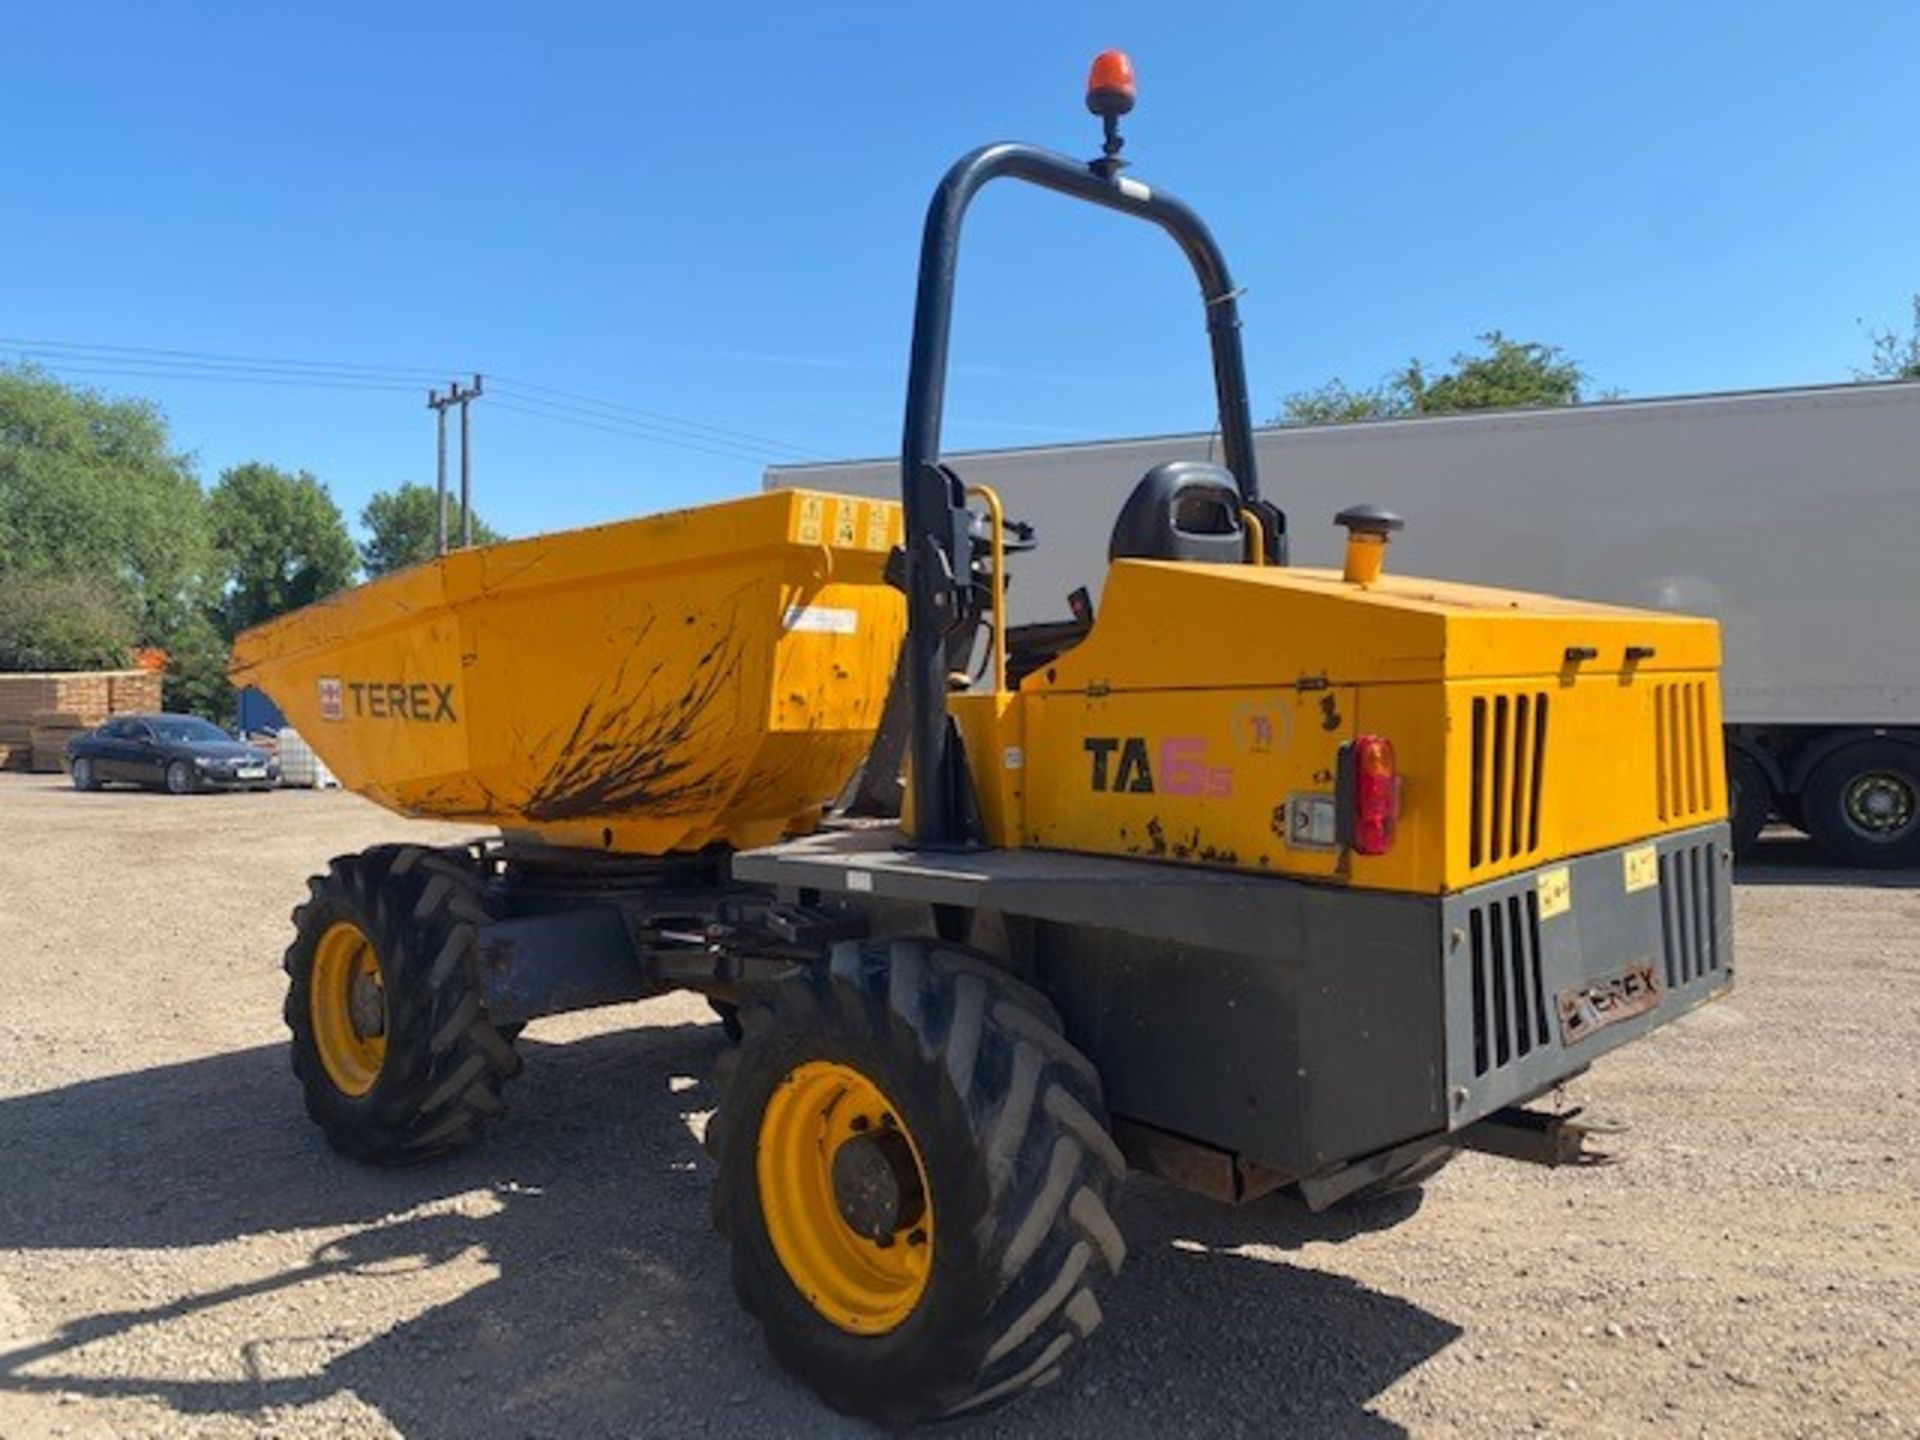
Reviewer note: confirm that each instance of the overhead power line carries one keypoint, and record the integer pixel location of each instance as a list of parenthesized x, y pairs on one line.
[(611, 427), (545, 402), (589, 404), (61, 367), (149, 354)]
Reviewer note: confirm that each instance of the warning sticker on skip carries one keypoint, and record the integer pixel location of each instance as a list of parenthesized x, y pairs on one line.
[(823, 619)]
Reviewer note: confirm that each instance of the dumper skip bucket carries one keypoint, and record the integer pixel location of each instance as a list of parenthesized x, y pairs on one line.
[(705, 676)]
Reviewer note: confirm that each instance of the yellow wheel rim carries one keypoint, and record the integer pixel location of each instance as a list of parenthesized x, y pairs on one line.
[(844, 1195), (348, 1005)]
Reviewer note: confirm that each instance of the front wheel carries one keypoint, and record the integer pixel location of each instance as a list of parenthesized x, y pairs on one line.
[(916, 1181), (180, 778), (391, 1041), (1863, 804)]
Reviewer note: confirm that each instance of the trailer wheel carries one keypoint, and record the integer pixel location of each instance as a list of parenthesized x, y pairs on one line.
[(915, 1180), (391, 1045), (1863, 804), (1752, 801)]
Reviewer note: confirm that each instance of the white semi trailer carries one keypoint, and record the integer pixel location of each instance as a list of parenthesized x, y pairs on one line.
[(1791, 515)]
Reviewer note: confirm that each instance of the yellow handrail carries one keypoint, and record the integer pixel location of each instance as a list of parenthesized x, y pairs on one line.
[(996, 513), (1257, 533)]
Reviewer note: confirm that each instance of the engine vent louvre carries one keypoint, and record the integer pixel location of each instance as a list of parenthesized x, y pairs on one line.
[(1509, 760), (1683, 770), (1689, 913), (1509, 993)]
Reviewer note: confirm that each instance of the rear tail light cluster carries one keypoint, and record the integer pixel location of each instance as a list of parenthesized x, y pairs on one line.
[(1371, 783)]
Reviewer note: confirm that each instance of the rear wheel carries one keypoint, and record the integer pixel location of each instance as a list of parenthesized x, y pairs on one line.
[(1863, 804), (1752, 801), (390, 1041), (916, 1181), (84, 777)]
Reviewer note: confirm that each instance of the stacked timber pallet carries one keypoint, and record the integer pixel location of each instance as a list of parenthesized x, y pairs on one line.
[(39, 713), (49, 732)]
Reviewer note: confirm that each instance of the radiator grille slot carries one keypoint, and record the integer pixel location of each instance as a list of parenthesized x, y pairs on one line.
[(1683, 769), (1690, 913), (1509, 760), (1509, 996)]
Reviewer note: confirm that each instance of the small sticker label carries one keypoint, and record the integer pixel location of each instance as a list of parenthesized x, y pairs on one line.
[(846, 524), (859, 880), (823, 619), (1012, 758), (1312, 823), (810, 519), (1556, 892), (1641, 866), (333, 698)]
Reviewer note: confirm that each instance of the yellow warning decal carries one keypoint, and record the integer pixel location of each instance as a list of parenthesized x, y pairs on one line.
[(1556, 891), (1641, 866), (810, 520), (846, 524)]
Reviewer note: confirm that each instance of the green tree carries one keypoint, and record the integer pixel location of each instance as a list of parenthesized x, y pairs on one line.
[(196, 678), (1506, 374), (401, 531), (92, 486), (279, 541), (1895, 356), (62, 622)]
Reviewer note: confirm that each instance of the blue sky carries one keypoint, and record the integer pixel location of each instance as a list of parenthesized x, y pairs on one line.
[(711, 213)]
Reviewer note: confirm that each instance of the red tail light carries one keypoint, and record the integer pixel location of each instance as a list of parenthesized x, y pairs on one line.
[(1376, 795)]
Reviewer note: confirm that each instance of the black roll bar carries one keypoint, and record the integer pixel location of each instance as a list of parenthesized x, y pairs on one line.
[(938, 550)]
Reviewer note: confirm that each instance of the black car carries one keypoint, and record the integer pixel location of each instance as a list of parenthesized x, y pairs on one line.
[(178, 753)]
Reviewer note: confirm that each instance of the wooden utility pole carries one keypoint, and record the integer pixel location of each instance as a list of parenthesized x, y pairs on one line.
[(439, 408), (438, 403)]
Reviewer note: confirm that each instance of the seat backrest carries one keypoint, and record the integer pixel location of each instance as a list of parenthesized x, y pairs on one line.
[(1181, 510)]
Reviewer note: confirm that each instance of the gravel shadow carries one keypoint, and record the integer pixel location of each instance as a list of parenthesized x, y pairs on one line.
[(611, 1312)]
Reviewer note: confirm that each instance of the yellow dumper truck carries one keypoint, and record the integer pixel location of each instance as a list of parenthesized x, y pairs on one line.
[(1259, 877)]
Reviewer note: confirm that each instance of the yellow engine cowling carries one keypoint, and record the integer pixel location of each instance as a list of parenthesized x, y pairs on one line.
[(1202, 721)]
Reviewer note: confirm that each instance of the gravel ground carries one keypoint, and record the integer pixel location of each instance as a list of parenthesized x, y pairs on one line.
[(181, 1255)]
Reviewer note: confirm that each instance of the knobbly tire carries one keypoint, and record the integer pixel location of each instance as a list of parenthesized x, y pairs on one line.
[(1752, 802), (729, 1017), (444, 1064), (1020, 1172)]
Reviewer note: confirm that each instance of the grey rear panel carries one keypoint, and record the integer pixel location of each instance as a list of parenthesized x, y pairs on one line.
[(1298, 1024), (1509, 970)]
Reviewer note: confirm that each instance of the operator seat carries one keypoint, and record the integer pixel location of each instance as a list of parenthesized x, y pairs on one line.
[(1181, 510)]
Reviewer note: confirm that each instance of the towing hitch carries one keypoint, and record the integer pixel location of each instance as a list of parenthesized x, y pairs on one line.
[(1538, 1137)]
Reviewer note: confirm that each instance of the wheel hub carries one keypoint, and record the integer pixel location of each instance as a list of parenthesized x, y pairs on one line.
[(876, 1184), (1881, 804), (367, 1006), (347, 1007), (844, 1197)]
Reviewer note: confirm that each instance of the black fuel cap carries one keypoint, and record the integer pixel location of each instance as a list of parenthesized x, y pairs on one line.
[(1369, 520)]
